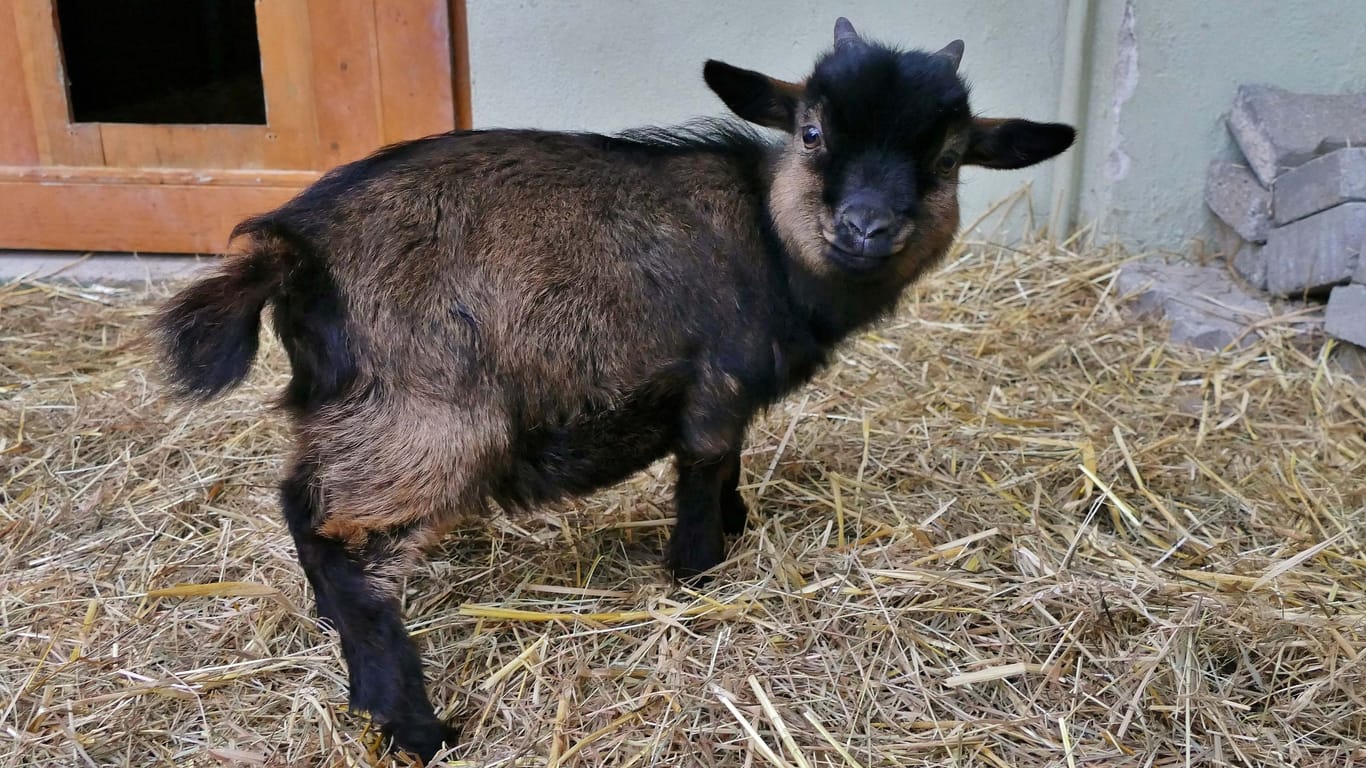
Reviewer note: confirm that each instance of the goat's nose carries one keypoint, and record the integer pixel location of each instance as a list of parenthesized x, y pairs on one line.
[(866, 221)]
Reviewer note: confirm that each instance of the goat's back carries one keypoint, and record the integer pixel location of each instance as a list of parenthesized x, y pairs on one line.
[(568, 267)]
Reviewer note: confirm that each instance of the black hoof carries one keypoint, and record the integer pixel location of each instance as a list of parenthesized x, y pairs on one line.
[(421, 739), (691, 555)]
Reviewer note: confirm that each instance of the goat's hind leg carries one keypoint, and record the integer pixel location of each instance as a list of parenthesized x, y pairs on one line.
[(300, 504), (356, 589)]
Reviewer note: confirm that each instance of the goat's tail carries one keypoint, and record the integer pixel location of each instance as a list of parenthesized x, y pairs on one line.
[(208, 332)]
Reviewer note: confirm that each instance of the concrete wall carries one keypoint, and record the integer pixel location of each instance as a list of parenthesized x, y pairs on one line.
[(606, 65), (1157, 76), (1162, 77)]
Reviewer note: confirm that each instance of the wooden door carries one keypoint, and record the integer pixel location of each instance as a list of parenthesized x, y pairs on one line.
[(340, 79)]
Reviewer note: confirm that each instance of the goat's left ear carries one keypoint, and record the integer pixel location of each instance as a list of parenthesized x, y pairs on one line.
[(754, 96), (1014, 143)]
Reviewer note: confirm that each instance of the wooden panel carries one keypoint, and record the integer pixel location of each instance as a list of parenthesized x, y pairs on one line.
[(135, 145), (67, 174), (416, 91), (134, 213), (60, 142), (342, 78), (288, 141), (345, 79), (286, 67), (18, 142), (460, 64)]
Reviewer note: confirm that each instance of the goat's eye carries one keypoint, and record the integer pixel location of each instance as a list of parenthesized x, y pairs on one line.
[(811, 136), (946, 162)]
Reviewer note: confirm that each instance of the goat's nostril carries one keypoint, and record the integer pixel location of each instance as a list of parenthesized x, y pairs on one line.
[(866, 223), (875, 227)]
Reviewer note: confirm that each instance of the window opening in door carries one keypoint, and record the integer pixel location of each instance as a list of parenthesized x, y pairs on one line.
[(162, 61)]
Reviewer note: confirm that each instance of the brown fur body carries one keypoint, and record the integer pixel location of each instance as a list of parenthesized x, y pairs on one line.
[(516, 336), (518, 316)]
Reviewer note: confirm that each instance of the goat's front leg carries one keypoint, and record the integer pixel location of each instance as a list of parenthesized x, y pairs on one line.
[(734, 513), (708, 504), (699, 540)]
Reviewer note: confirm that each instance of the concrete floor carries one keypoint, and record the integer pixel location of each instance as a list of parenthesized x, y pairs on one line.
[(108, 268)]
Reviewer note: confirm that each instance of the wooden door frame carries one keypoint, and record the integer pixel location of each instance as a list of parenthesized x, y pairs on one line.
[(47, 203), (460, 64), (285, 142)]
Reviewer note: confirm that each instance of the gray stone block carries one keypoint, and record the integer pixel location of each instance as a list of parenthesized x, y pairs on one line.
[(1226, 241), (1351, 360), (1233, 193), (1205, 307), (1316, 253), (1345, 317), (1144, 284), (1336, 178), (1277, 129), (1250, 262)]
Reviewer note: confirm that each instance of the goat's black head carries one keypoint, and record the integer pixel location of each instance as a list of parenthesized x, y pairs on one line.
[(866, 185)]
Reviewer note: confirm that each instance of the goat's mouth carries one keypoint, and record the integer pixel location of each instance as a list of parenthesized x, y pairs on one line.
[(850, 261), (855, 263)]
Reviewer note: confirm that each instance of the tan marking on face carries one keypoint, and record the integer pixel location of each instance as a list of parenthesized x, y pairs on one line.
[(932, 234), (903, 236), (799, 216), (806, 228)]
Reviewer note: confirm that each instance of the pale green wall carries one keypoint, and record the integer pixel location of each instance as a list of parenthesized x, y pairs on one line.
[(610, 64), (1190, 58)]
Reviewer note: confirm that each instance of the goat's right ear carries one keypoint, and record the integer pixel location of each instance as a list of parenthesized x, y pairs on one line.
[(754, 96)]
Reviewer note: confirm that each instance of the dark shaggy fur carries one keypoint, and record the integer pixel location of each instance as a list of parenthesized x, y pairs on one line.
[(516, 316)]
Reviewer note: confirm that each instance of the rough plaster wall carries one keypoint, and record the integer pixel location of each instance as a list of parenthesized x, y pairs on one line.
[(1112, 79), (611, 64), (1124, 82), (1183, 61)]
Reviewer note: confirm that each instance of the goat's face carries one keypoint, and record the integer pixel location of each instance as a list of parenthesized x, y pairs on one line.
[(866, 184)]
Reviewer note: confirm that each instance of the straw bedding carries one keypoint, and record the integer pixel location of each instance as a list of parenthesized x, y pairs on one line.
[(1010, 527)]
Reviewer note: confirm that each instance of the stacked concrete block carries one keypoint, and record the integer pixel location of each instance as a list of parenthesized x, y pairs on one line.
[(1278, 130), (1250, 262), (1239, 200), (1293, 213), (1335, 178), (1313, 254), (1243, 206), (1345, 317)]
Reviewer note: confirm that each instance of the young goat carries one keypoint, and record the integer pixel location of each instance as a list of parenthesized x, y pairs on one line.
[(516, 316)]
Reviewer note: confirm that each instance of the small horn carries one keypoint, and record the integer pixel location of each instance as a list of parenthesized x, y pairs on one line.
[(845, 34), (953, 52)]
